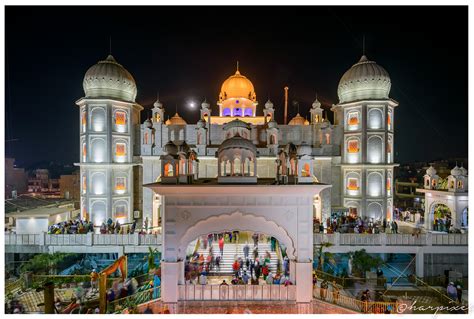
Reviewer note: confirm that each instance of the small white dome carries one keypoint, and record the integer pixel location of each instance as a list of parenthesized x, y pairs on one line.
[(170, 148), (272, 124), (158, 104), (456, 171), (109, 79), (463, 171), (431, 171), (268, 104), (297, 120), (201, 123), (205, 105), (316, 104), (304, 149), (236, 123), (148, 123), (365, 80), (239, 143)]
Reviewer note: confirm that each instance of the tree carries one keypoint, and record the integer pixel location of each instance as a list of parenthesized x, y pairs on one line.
[(322, 256), (363, 262)]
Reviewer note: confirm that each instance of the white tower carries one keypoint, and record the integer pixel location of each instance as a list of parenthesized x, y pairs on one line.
[(366, 113), (108, 116)]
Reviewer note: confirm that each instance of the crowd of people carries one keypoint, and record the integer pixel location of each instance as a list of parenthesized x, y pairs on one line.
[(246, 269), (357, 225), (77, 226)]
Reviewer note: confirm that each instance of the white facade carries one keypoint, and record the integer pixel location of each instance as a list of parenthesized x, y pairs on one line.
[(356, 149)]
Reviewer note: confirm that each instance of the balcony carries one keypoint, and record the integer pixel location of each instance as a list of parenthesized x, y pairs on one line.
[(236, 293)]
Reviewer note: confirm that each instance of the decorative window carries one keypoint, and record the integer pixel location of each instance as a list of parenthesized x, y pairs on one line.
[(459, 184), (353, 146), (168, 169), (84, 152), (248, 112), (306, 171), (120, 211), (317, 119), (83, 120), (328, 138), (84, 184), (389, 120), (120, 184), (237, 112), (353, 118), (145, 138), (352, 184), (120, 149), (427, 182), (226, 112), (120, 118), (433, 183), (389, 186)]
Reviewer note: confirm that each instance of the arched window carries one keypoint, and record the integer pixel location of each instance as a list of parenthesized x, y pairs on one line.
[(98, 119), (389, 186), (226, 112), (306, 172), (98, 212), (120, 152), (375, 184), (248, 112), (84, 152), (328, 138), (352, 184), (459, 184), (98, 183), (374, 210), (375, 119), (353, 146), (98, 150), (273, 139), (83, 121), (145, 138), (389, 120), (84, 184), (121, 210), (120, 185), (120, 121), (168, 170), (352, 120), (375, 149), (237, 112)]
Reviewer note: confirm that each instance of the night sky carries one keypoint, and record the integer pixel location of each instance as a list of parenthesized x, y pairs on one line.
[(186, 53)]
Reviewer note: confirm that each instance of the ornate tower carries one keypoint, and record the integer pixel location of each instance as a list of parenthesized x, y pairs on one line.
[(108, 117), (366, 113)]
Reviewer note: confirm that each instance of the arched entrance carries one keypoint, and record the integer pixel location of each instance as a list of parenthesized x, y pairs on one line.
[(236, 221), (440, 217), (464, 218)]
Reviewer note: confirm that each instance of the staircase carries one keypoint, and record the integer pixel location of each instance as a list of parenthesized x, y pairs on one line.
[(234, 251)]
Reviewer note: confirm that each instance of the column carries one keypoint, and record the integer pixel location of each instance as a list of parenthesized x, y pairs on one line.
[(304, 281), (169, 282), (420, 263)]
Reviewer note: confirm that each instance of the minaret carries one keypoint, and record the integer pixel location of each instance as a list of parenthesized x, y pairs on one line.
[(366, 113), (107, 140)]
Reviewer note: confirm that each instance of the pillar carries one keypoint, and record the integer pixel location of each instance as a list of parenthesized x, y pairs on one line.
[(49, 298), (304, 281), (181, 280), (420, 263), (169, 281), (292, 271)]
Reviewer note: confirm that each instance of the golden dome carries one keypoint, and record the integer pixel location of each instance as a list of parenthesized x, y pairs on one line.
[(176, 120), (297, 120), (237, 86)]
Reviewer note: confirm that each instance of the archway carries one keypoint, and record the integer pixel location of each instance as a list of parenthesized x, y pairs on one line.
[(236, 221), (440, 217), (465, 218)]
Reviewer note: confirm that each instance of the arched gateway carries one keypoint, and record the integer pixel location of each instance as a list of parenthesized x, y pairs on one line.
[(282, 211)]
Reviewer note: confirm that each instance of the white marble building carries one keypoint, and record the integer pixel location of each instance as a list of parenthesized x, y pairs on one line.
[(119, 155)]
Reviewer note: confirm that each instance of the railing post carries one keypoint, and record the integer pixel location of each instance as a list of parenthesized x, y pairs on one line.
[(89, 239), (337, 239), (383, 239), (429, 239)]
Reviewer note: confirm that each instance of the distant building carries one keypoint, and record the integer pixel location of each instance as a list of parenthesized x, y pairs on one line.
[(69, 186), (16, 179), (41, 184)]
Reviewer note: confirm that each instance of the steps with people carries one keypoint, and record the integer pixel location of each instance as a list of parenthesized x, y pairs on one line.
[(233, 251)]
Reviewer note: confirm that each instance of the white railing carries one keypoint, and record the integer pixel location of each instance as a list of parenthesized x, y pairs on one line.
[(89, 239), (236, 292), (338, 239), (24, 239)]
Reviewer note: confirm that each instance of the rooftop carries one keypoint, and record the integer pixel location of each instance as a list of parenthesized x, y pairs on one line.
[(28, 202)]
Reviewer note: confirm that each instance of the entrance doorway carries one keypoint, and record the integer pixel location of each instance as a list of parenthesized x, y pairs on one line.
[(441, 217)]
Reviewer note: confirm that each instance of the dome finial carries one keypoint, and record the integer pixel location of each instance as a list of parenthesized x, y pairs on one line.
[(237, 68), (363, 44), (110, 45)]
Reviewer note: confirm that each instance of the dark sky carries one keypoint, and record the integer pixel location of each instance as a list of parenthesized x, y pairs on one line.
[(187, 52)]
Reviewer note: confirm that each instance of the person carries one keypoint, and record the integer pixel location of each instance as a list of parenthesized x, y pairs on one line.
[(365, 299), (255, 239), (245, 278), (221, 245), (273, 243), (286, 265), (335, 292), (247, 263), (148, 310), (218, 262), (388, 310), (94, 280), (459, 292), (452, 291), (251, 267), (265, 271), (203, 279), (384, 224), (255, 253), (156, 285), (246, 250), (396, 227), (236, 268), (323, 290), (269, 279)]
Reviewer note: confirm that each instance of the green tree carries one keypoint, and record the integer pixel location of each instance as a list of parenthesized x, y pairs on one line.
[(362, 262)]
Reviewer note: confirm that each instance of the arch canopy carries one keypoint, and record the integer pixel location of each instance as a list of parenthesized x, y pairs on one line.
[(236, 221)]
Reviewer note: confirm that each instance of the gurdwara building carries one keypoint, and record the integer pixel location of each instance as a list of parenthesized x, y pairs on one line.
[(233, 143)]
